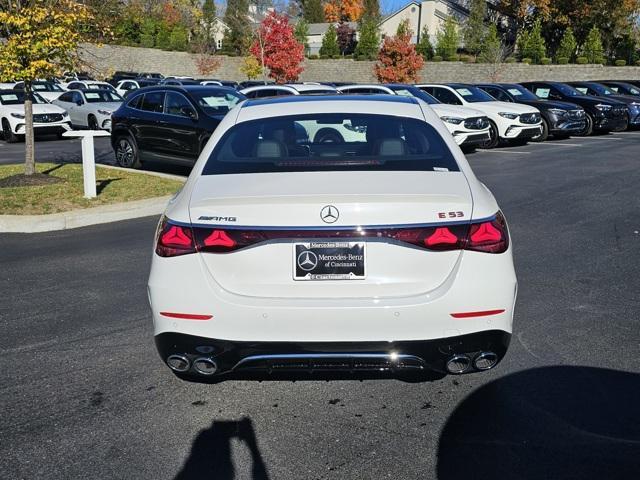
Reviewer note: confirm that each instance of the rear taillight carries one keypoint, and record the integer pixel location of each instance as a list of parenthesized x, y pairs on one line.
[(173, 240), (488, 236)]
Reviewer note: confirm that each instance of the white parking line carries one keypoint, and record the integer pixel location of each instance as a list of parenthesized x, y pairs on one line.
[(554, 144), (627, 133), (509, 151), (600, 139)]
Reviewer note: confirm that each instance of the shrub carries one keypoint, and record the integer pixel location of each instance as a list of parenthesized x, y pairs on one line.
[(620, 63), (324, 57), (313, 57), (638, 63), (453, 58), (527, 61), (437, 58), (349, 56), (467, 58), (510, 60), (562, 60), (147, 40), (545, 61), (582, 60)]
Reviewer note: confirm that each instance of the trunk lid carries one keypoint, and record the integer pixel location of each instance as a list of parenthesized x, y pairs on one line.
[(295, 201)]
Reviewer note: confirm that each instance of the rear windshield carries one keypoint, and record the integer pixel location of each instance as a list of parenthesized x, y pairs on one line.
[(330, 142)]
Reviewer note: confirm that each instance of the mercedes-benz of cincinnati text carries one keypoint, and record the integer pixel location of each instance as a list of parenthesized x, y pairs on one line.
[(332, 233)]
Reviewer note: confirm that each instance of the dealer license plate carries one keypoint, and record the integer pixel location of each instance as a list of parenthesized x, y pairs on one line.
[(329, 261)]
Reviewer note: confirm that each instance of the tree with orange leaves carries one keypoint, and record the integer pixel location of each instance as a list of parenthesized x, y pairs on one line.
[(398, 61), (345, 10)]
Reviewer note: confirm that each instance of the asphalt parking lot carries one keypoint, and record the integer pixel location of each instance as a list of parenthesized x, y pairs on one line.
[(85, 395)]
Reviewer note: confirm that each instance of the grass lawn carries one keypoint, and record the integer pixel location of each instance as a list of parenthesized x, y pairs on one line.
[(113, 186)]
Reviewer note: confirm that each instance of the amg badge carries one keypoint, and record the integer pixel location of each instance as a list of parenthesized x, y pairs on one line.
[(218, 219)]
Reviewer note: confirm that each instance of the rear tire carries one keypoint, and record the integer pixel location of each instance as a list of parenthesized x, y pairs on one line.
[(8, 134), (544, 134), (494, 137), (126, 152), (588, 129)]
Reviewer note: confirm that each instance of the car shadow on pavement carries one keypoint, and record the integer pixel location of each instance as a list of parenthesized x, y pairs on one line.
[(546, 423), (210, 456)]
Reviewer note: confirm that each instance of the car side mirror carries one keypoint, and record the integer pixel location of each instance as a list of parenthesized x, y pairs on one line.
[(78, 102), (188, 112)]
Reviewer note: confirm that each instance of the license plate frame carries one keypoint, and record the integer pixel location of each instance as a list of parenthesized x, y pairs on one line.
[(330, 260)]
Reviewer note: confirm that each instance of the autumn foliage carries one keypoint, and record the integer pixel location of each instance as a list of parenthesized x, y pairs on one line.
[(276, 46), (345, 10), (398, 61), (207, 64)]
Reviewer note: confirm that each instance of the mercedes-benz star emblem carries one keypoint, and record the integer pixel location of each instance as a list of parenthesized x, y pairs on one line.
[(329, 214), (307, 260)]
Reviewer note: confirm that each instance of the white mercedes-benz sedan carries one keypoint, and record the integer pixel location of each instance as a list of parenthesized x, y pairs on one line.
[(333, 233)]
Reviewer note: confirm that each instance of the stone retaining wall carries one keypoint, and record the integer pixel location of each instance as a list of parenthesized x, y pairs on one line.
[(108, 58)]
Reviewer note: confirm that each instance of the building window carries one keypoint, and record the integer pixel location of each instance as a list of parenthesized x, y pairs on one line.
[(219, 44)]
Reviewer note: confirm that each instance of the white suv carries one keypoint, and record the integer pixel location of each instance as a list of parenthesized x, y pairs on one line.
[(380, 252), (508, 121)]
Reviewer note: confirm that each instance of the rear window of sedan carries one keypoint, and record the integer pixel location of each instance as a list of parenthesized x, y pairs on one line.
[(330, 142)]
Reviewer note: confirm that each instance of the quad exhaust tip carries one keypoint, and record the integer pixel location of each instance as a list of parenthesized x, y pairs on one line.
[(205, 366), (485, 361), (458, 364), (178, 363)]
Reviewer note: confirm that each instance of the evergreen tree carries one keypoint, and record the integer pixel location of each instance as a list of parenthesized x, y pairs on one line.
[(301, 32), (178, 38), (330, 46), (238, 37), (209, 11), (535, 48), (369, 42), (448, 40), (148, 33), (403, 29), (474, 28), (592, 48), (568, 45), (521, 43), (312, 11), (491, 48), (424, 46)]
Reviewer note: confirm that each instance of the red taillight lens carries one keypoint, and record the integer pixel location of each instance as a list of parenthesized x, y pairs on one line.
[(441, 238), (491, 236), (173, 240), (219, 238)]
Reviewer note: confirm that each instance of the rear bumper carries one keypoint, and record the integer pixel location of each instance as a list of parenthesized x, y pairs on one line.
[(418, 356)]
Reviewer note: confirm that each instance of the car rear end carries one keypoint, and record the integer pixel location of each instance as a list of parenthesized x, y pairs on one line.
[(380, 253)]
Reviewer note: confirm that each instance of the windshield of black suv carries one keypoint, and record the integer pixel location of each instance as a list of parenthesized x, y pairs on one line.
[(216, 102), (568, 90), (474, 94), (16, 97), (413, 92), (520, 93), (102, 96), (598, 88), (330, 142)]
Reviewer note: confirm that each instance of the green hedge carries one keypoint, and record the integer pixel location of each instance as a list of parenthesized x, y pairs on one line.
[(527, 61), (437, 58), (510, 60), (582, 60), (545, 61), (562, 60), (620, 63)]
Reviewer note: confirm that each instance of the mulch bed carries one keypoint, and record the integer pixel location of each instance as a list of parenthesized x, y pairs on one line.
[(22, 180)]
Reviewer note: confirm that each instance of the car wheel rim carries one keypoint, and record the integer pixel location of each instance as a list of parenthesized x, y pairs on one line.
[(124, 154)]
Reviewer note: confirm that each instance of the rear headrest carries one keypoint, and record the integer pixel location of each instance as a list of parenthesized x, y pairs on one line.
[(391, 147), (270, 149)]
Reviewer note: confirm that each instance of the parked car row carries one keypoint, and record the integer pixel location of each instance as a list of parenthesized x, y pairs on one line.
[(171, 118)]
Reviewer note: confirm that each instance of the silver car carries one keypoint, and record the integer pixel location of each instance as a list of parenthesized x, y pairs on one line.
[(90, 108)]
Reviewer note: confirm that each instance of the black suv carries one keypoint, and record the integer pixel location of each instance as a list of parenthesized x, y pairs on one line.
[(622, 88), (602, 114), (595, 89), (167, 123), (560, 119)]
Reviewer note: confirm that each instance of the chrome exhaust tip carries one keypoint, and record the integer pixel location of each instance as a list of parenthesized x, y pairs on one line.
[(205, 366), (458, 364), (485, 361), (178, 363)]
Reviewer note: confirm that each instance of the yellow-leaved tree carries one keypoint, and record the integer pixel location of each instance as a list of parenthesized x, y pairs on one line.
[(39, 39)]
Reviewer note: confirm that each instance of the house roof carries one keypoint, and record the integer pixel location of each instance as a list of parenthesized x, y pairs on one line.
[(321, 28)]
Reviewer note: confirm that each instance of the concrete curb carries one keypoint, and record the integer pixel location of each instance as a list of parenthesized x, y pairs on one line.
[(82, 218), (170, 176)]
